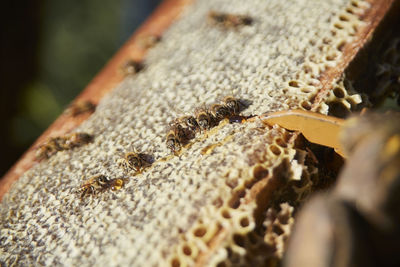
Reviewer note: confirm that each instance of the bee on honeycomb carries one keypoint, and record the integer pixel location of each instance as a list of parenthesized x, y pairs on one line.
[(136, 161), (204, 118), (177, 136), (130, 67), (220, 112), (189, 122), (76, 140), (232, 104), (100, 183), (148, 41), (227, 20), (59, 143), (80, 107)]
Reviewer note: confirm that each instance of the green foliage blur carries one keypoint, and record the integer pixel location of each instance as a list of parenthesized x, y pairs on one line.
[(76, 39), (53, 49)]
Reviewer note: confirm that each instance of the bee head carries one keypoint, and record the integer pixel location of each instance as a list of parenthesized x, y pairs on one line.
[(132, 159), (191, 122), (102, 179)]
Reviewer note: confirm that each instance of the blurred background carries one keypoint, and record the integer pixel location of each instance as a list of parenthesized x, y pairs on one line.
[(50, 50)]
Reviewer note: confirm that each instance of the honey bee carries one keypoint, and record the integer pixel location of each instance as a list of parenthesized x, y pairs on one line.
[(220, 112), (130, 67), (59, 143), (191, 123), (137, 161), (176, 137), (100, 183), (77, 139), (172, 141), (80, 107), (46, 150), (181, 131), (204, 119), (148, 41), (188, 122), (228, 20), (232, 104), (50, 147)]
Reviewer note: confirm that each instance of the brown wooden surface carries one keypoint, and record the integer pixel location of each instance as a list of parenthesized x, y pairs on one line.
[(103, 82)]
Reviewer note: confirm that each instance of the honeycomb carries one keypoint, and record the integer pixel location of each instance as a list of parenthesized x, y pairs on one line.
[(375, 71), (228, 197), (341, 100), (266, 243)]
